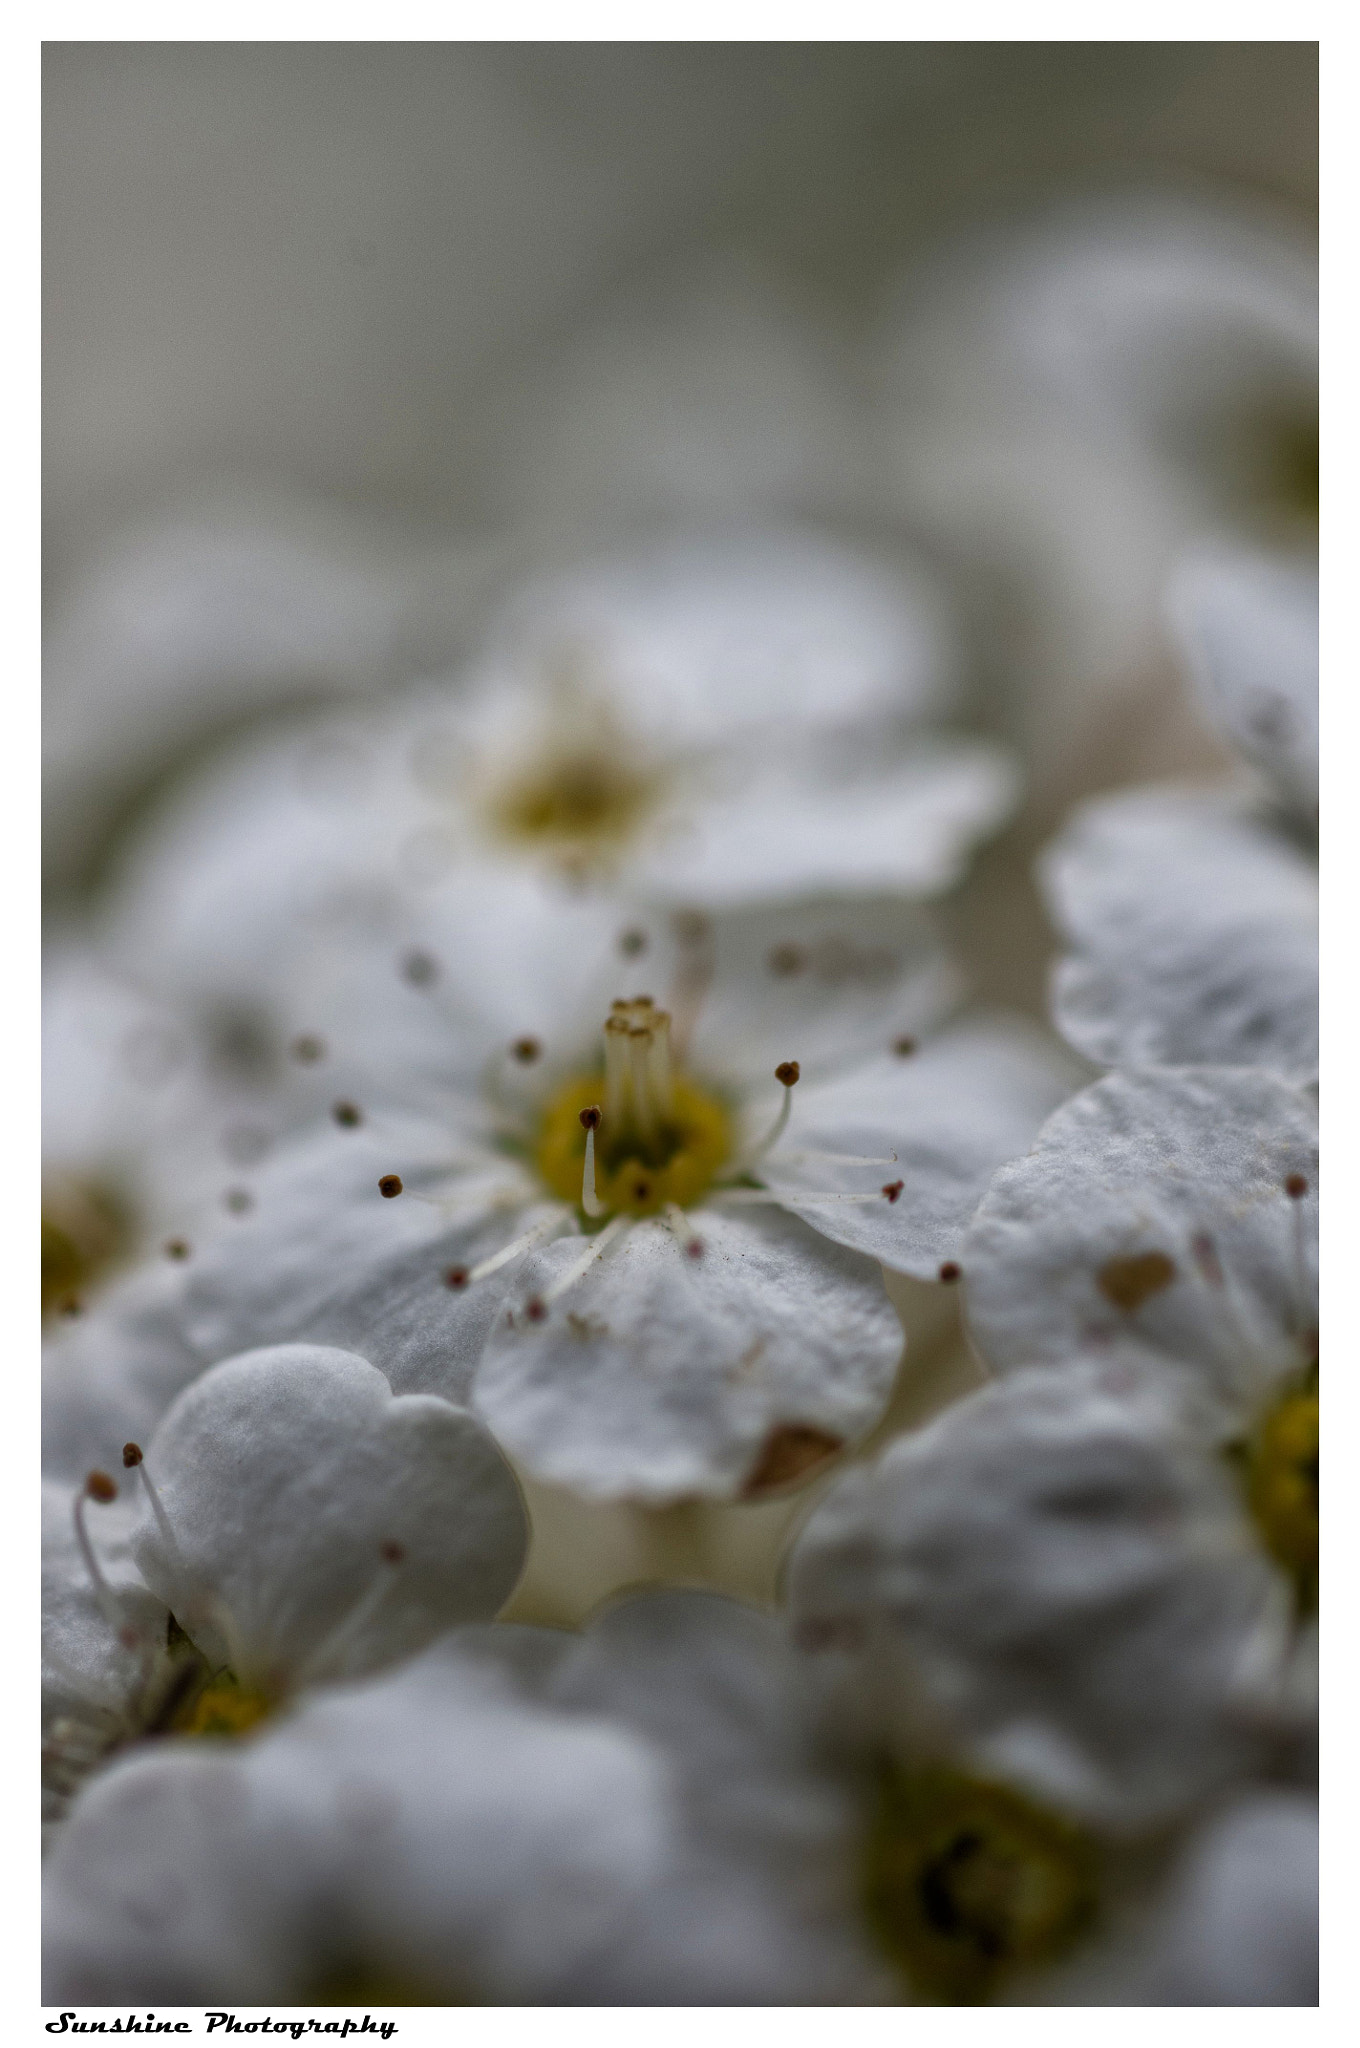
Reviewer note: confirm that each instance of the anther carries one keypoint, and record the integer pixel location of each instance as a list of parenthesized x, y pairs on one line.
[(392, 1552), (786, 960), (904, 1047), (456, 1277), (676, 1221), (950, 1271), (787, 1072), (132, 1455), (690, 927), (536, 1309), (631, 943), (1296, 1187), (389, 1185), (347, 1114), (419, 968), (526, 1050), (238, 1201), (590, 1118), (308, 1049), (893, 1188), (176, 1248), (99, 1486)]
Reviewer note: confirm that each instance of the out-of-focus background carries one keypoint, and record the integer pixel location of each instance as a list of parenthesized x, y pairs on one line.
[(341, 337)]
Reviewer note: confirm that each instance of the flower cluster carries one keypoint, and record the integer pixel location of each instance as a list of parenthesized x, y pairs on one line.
[(611, 1434)]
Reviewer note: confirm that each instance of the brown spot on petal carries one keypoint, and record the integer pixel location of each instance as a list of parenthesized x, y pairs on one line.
[(392, 1552), (1134, 1278), (791, 1454)]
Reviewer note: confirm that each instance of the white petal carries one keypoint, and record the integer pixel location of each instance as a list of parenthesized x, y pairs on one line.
[(952, 1112), (111, 1374), (324, 1256), (84, 1663), (791, 825), (283, 1474), (1237, 1921), (826, 984), (1054, 1576), (1183, 1170), (659, 1375), (712, 634), (1195, 930), (171, 1882), (1248, 625)]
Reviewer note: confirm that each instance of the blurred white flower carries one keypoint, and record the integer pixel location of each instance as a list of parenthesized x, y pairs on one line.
[(431, 1837), (1167, 1220), (1069, 404), (723, 718), (298, 1523), (1192, 913), (603, 1236)]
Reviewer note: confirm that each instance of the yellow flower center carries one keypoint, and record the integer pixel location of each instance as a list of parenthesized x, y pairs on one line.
[(85, 1228), (584, 789), (967, 1882), (659, 1138), (1280, 1466), (223, 1707)]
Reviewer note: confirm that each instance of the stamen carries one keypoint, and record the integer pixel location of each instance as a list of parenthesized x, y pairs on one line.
[(675, 1219), (795, 1199), (389, 1186), (134, 1460), (98, 1486), (590, 1201), (594, 1250), (787, 1074), (806, 1152), (693, 974), (347, 1114), (547, 1226)]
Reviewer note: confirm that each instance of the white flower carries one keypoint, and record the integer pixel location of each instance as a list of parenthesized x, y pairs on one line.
[(1168, 1220), (723, 718), (676, 1300), (1073, 402), (1053, 1579), (1192, 914), (298, 1522)]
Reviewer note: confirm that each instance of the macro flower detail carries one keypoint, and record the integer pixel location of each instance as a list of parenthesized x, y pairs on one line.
[(648, 1259), (297, 1524)]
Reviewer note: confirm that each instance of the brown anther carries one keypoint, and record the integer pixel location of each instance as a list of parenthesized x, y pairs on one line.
[(1129, 1281), (904, 1046), (419, 968), (631, 943), (791, 1453), (456, 1277), (619, 1003), (176, 1248), (787, 1072), (391, 1552), (694, 1247), (132, 1455), (308, 1049), (786, 960), (347, 1114), (590, 1118), (238, 1201), (643, 1003), (526, 1050), (100, 1487), (950, 1271), (389, 1185), (690, 927), (536, 1309), (1296, 1187), (893, 1188)]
